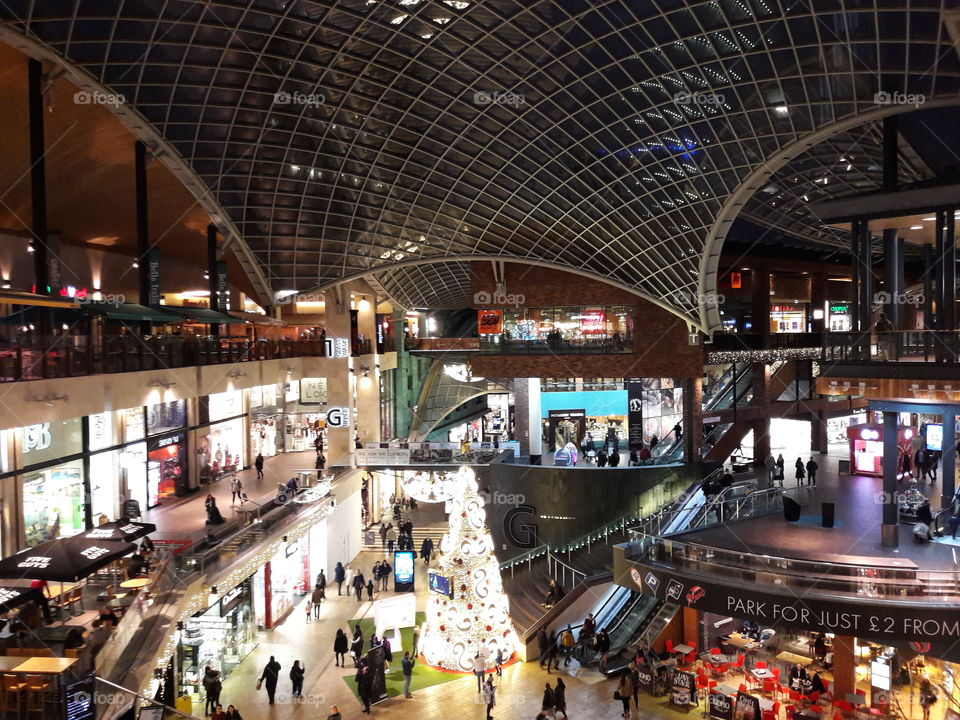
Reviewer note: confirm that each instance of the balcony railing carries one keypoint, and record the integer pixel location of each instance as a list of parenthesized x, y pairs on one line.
[(798, 576), (585, 346), (73, 357)]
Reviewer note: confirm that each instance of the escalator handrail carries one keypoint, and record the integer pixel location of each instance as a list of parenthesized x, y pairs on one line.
[(714, 402)]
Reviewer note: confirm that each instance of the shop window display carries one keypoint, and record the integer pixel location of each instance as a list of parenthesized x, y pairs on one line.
[(53, 503), (561, 329), (166, 469), (220, 638), (221, 450)]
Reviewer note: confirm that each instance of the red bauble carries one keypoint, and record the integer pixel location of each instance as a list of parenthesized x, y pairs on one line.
[(469, 606), (506, 632), (489, 628), (442, 628), (463, 514)]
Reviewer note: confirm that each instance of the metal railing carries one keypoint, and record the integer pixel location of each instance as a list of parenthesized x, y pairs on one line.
[(32, 359), (800, 576), (560, 571), (597, 346), (111, 700)]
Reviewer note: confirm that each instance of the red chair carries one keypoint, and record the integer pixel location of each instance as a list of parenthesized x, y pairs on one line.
[(814, 697), (738, 665), (742, 688), (669, 647), (769, 686), (761, 665), (776, 674), (771, 714), (715, 651)]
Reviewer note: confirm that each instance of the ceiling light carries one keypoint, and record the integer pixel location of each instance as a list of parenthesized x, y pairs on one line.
[(916, 227), (929, 219), (136, 264), (781, 110), (295, 168)]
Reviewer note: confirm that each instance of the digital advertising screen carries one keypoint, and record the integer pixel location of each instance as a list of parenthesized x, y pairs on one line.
[(403, 567), (934, 436), (439, 584)]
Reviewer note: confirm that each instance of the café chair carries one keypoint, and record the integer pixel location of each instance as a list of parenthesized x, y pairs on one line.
[(715, 651), (738, 665), (771, 714), (770, 686), (73, 598), (37, 689), (11, 688)]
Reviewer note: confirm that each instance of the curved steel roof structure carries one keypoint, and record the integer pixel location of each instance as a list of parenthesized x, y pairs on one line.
[(618, 137)]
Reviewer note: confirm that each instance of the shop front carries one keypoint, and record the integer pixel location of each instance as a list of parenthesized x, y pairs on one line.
[(866, 447), (220, 637), (266, 418), (220, 442), (166, 468), (788, 318), (52, 482), (838, 318), (281, 582), (557, 329)]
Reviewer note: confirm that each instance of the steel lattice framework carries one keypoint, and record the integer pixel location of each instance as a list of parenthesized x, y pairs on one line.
[(617, 137)]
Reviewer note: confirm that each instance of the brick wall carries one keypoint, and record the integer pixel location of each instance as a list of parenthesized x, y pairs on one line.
[(660, 347)]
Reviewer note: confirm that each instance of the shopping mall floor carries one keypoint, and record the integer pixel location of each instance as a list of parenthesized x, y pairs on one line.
[(856, 531), (185, 518)]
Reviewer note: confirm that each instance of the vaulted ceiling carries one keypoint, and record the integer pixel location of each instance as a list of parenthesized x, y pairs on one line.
[(341, 138)]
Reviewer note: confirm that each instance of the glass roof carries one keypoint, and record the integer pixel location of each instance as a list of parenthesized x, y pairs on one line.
[(605, 135)]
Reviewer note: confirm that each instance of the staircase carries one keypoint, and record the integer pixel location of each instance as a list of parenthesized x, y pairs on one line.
[(434, 531)]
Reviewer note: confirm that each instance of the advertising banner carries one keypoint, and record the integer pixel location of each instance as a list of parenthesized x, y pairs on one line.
[(645, 678), (684, 688), (376, 668), (936, 626), (721, 706), (635, 412), (489, 322), (747, 707)]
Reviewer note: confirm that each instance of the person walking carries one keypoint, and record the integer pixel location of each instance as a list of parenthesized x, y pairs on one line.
[(308, 608), (385, 570), (567, 644), (552, 652), (296, 679), (269, 677), (364, 689), (375, 573), (548, 700), (771, 466), (812, 472), (339, 574), (426, 550), (317, 597), (800, 474), (479, 666), (258, 464), (356, 647), (322, 582), (370, 590), (498, 662), (780, 464), (358, 584), (928, 696), (490, 697), (624, 692), (416, 641), (212, 685), (236, 490), (391, 537), (406, 667), (560, 698), (383, 536), (340, 647)]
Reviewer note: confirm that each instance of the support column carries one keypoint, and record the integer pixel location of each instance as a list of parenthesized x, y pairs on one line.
[(890, 530), (856, 275), (866, 279), (818, 432), (950, 284), (760, 380), (212, 284), (143, 257), (949, 455), (367, 370), (760, 284), (534, 423), (38, 178), (761, 447), (890, 155), (844, 666), (929, 269), (693, 419), (340, 381), (818, 301), (893, 282)]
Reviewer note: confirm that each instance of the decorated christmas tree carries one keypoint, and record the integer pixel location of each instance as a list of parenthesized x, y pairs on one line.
[(476, 615)]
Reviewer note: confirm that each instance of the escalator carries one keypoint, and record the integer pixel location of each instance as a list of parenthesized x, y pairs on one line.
[(737, 382), (668, 450)]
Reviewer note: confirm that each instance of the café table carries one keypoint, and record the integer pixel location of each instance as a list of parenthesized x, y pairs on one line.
[(742, 642), (135, 583), (683, 649), (793, 659), (766, 704), (718, 659), (724, 689), (761, 673), (44, 665)]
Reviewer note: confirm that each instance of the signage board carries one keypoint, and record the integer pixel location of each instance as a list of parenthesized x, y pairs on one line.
[(338, 417), (635, 412), (645, 678), (936, 625), (439, 584), (313, 391), (747, 707), (337, 347), (489, 322), (721, 706), (934, 436), (403, 563), (153, 277)]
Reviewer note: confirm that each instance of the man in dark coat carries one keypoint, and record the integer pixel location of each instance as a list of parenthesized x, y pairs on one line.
[(426, 550), (269, 677)]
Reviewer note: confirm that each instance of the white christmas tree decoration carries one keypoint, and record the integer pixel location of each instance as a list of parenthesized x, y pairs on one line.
[(477, 616)]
